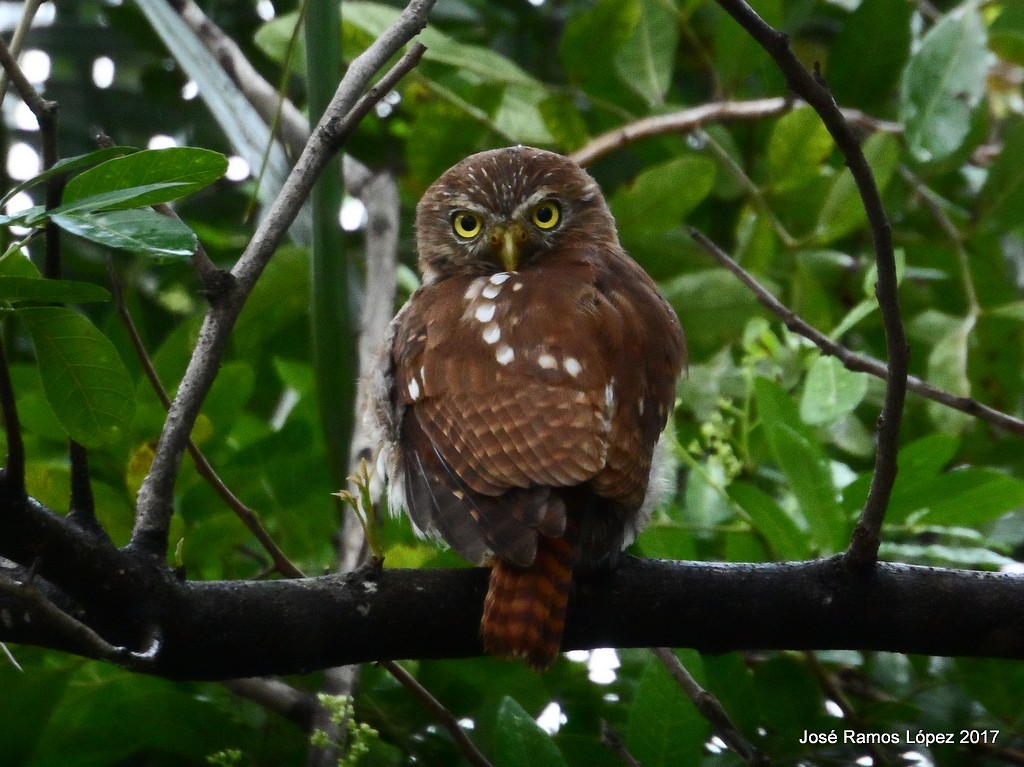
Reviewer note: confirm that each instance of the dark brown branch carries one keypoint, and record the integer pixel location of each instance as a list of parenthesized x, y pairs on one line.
[(851, 360), (863, 549), (443, 715), (232, 629), (710, 708)]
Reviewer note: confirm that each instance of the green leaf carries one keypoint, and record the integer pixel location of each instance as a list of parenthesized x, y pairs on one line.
[(937, 555), (657, 701), (563, 121), (1002, 196), (986, 495), (183, 170), (519, 740), (712, 305), (15, 289), (115, 200), (1013, 310), (868, 54), (783, 535), (644, 62), (831, 391), (943, 84), (68, 165), (799, 144), (661, 196), (802, 459), (141, 231), (1006, 34), (609, 21), (843, 210), (947, 369), (84, 379), (363, 22)]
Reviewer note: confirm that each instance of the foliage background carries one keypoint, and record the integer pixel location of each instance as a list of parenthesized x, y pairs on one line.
[(774, 442)]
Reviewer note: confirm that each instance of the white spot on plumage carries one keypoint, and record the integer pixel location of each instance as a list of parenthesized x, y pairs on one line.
[(473, 291), (492, 333), (484, 312), (572, 366), (609, 394), (491, 291), (517, 286), (547, 361), (499, 278), (423, 376), (414, 389), (504, 355), (640, 405)]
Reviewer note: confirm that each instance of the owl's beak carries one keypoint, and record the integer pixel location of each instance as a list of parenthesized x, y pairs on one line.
[(507, 240)]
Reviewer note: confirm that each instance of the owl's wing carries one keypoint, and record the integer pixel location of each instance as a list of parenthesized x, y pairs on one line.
[(516, 384)]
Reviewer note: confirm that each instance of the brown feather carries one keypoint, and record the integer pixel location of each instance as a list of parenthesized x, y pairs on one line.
[(524, 611), (526, 405)]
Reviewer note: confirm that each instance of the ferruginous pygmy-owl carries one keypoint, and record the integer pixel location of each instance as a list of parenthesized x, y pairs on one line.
[(522, 390)]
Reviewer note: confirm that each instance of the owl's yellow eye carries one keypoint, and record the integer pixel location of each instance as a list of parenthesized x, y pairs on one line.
[(466, 224), (547, 214)]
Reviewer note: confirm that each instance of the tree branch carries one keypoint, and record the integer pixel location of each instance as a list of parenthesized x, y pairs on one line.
[(232, 629), (863, 549), (851, 360), (443, 715), (710, 708), (249, 518), (154, 506), (718, 111)]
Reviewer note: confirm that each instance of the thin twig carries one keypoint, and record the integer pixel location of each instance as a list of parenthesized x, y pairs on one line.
[(83, 507), (14, 466), (40, 107), (339, 127), (677, 122), (85, 641), (154, 504), (832, 691), (851, 360), (249, 517), (277, 696), (718, 111), (444, 716), (934, 204), (863, 548), (710, 708), (28, 13), (610, 738)]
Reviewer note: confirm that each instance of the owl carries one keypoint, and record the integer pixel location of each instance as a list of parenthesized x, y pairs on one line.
[(520, 394)]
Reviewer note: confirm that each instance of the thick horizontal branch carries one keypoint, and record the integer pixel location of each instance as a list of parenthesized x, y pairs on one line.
[(226, 629)]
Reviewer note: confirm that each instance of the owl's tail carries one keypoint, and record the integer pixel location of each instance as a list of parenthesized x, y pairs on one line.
[(524, 612)]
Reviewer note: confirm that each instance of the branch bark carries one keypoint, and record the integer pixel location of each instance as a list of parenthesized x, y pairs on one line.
[(232, 629)]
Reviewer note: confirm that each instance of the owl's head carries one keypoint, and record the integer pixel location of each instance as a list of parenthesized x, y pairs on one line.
[(502, 210)]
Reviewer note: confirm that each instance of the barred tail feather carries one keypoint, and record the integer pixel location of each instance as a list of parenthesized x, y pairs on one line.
[(524, 612)]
